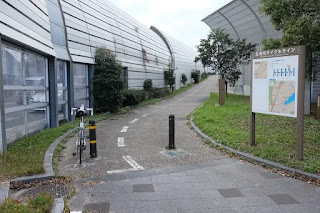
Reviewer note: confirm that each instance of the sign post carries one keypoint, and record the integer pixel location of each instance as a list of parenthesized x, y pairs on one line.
[(278, 87)]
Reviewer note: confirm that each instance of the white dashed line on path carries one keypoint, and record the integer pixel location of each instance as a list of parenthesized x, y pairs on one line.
[(163, 107), (133, 121), (121, 141), (125, 129), (145, 115), (195, 91), (135, 166)]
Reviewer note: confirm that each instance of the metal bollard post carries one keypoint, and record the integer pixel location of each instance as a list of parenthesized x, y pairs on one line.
[(171, 132), (93, 139)]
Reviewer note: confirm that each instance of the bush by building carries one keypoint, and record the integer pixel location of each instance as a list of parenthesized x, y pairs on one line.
[(107, 81), (147, 85), (184, 79), (133, 97), (195, 75)]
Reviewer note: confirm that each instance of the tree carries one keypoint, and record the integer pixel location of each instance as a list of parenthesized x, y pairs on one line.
[(195, 75), (108, 81), (223, 54), (169, 78), (184, 79), (300, 24)]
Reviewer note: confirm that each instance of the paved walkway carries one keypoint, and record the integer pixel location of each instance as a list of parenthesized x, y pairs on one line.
[(224, 185), (135, 173)]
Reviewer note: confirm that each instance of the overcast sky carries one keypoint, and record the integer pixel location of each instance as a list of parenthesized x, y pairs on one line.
[(178, 18)]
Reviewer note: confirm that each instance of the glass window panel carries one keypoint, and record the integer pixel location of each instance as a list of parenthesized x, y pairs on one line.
[(14, 98), (12, 66), (81, 93), (15, 127), (35, 97), (37, 119), (80, 73), (35, 70), (85, 102), (62, 111)]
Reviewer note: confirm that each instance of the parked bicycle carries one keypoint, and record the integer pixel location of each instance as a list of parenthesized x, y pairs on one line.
[(81, 139)]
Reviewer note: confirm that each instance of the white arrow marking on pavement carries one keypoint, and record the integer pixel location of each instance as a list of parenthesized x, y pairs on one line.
[(121, 141), (124, 129), (133, 121)]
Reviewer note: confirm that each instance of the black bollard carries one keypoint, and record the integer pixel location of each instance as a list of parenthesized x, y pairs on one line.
[(171, 132), (93, 139)]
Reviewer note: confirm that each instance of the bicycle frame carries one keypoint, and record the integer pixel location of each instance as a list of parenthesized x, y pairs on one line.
[(80, 143)]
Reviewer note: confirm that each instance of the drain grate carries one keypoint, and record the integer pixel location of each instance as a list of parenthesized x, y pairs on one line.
[(56, 190)]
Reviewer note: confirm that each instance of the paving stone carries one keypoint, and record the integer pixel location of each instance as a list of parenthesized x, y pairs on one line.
[(282, 199), (143, 188), (228, 193), (97, 207), (269, 175)]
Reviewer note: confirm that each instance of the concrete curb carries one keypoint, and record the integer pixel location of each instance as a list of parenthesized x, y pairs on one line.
[(256, 159), (58, 205), (47, 163), (4, 191)]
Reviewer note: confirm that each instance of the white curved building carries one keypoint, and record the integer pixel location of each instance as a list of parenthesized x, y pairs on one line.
[(47, 58)]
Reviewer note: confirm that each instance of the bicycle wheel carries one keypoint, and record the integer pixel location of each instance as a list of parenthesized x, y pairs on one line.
[(81, 145)]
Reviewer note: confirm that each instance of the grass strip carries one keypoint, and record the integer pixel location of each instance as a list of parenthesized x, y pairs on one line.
[(275, 135)]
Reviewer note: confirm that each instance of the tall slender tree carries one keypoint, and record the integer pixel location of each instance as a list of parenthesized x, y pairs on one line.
[(224, 54)]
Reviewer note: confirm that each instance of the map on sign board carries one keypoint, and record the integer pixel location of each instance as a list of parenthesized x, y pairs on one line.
[(274, 85), (261, 70)]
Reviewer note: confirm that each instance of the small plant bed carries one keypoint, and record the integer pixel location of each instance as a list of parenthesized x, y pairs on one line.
[(275, 135), (43, 203)]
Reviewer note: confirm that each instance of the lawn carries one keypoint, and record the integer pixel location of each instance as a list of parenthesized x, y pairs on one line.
[(275, 135)]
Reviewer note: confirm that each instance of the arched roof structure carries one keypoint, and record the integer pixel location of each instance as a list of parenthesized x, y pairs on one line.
[(243, 20)]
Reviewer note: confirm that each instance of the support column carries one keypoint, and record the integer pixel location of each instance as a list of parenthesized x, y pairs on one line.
[(90, 85), (53, 92), (3, 138), (70, 89)]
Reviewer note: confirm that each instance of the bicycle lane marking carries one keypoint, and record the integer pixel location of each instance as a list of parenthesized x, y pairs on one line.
[(121, 141), (124, 129), (129, 160), (133, 121)]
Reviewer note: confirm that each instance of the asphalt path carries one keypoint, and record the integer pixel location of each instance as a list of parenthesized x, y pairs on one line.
[(137, 141)]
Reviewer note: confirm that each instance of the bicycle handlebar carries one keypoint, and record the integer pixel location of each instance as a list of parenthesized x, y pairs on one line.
[(75, 110)]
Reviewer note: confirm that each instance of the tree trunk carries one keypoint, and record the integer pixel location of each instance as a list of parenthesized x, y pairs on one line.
[(226, 88)]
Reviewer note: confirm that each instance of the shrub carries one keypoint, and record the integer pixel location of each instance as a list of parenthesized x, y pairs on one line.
[(147, 85), (132, 97), (43, 203), (107, 81), (184, 79), (159, 92), (195, 76), (204, 75)]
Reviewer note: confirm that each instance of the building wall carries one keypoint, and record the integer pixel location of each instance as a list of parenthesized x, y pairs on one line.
[(96, 23), (47, 58)]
